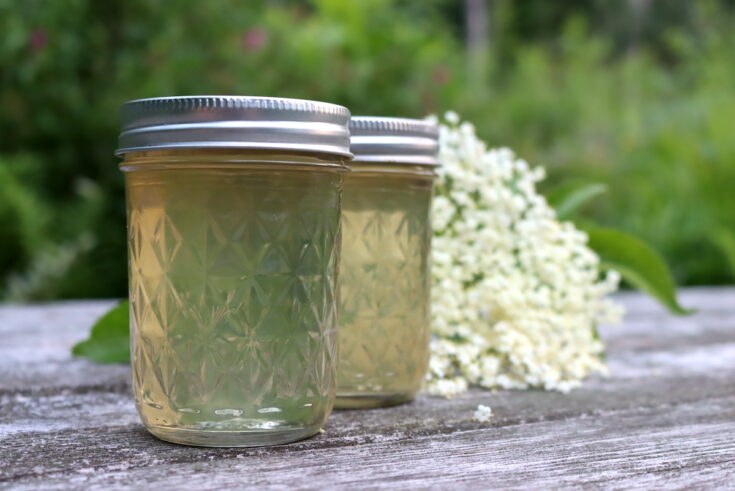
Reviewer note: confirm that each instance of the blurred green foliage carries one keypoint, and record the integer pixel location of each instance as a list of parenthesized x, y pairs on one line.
[(659, 133), (642, 101)]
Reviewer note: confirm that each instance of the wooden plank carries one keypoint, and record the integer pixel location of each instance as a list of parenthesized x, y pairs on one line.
[(611, 447), (665, 417), (35, 352)]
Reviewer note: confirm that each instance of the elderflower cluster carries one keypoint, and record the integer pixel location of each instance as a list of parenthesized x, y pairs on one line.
[(483, 414), (516, 293)]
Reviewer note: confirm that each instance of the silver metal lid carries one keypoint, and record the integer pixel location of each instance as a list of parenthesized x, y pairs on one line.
[(394, 140), (267, 123)]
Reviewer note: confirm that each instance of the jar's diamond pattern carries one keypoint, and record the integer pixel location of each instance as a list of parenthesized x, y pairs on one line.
[(384, 324), (233, 288)]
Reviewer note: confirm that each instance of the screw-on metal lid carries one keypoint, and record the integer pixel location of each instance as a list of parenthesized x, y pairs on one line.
[(267, 123), (394, 140)]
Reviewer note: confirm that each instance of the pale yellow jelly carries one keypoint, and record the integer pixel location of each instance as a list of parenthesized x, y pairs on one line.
[(384, 279), (233, 262)]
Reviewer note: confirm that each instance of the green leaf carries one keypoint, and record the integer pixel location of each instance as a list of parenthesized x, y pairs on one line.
[(570, 196), (725, 240), (638, 263), (109, 341)]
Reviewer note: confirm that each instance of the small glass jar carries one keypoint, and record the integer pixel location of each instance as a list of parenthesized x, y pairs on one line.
[(233, 239), (384, 280)]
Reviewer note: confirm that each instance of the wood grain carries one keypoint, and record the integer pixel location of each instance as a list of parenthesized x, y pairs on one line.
[(664, 418)]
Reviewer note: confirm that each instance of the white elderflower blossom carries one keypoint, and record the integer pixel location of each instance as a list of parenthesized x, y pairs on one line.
[(483, 414), (516, 294)]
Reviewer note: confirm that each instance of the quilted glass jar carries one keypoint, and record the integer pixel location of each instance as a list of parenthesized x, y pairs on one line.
[(233, 232), (384, 280)]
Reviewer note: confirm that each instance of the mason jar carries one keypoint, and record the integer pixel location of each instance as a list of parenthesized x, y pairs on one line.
[(233, 207), (384, 280)]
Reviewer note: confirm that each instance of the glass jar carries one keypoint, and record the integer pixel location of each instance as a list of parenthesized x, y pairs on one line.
[(384, 326), (233, 239)]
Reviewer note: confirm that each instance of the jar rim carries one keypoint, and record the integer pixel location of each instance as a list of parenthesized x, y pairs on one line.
[(230, 158)]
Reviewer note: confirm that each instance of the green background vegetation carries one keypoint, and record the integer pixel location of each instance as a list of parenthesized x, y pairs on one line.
[(639, 95)]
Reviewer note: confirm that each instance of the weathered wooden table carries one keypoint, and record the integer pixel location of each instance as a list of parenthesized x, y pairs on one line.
[(666, 417)]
